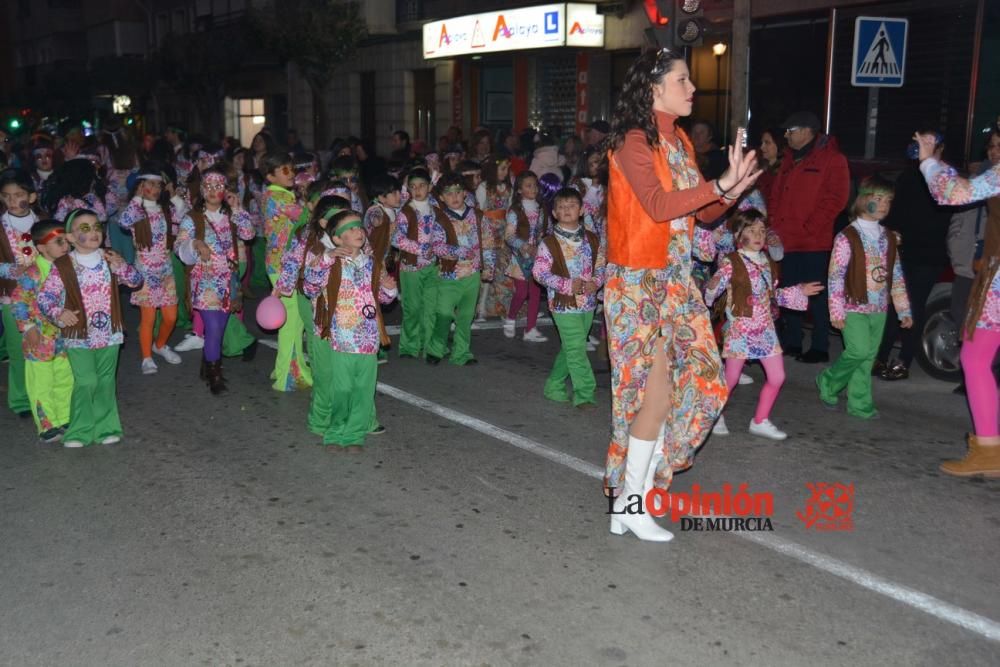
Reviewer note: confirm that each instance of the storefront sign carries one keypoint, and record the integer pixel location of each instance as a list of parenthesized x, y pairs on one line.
[(515, 29)]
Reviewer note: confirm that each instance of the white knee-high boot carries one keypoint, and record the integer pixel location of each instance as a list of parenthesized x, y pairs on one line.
[(655, 460), (636, 468)]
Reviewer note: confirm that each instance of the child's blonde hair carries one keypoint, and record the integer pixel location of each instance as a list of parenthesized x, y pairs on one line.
[(870, 186)]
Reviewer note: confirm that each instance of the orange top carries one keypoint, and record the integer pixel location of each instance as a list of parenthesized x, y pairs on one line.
[(642, 201)]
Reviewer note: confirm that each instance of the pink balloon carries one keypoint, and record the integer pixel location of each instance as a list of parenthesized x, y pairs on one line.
[(271, 313)]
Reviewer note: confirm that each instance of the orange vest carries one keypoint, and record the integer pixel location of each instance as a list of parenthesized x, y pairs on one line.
[(635, 240)]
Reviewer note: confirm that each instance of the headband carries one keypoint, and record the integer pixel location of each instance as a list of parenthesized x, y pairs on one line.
[(418, 177), (350, 223), (869, 190), (51, 235), (42, 149), (213, 178), (332, 211), (68, 223), (149, 177), (452, 188)]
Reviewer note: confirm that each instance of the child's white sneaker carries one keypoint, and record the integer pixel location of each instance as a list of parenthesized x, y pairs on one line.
[(168, 354), (720, 427), (72, 444), (745, 379), (508, 328), (766, 429), (534, 336), (191, 342), (149, 366), (111, 440)]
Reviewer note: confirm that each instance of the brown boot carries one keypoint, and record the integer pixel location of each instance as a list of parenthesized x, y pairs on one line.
[(216, 383), (203, 373), (980, 460)]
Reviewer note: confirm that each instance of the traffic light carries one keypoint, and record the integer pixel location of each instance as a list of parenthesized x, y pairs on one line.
[(14, 124), (689, 23), (660, 14)]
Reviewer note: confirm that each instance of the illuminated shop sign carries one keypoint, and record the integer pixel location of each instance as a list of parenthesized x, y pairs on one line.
[(568, 24)]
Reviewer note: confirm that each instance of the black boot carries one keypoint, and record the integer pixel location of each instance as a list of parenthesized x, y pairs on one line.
[(216, 383), (203, 372)]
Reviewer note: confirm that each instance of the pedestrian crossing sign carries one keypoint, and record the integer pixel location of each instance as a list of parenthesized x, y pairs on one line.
[(879, 52)]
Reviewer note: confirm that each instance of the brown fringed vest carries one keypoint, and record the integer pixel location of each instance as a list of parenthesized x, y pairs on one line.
[(560, 268), (74, 299), (451, 237), (324, 309), (6, 257), (988, 268), (198, 218), (740, 287), (379, 238), (856, 280), (142, 233), (313, 245), (412, 233), (524, 226)]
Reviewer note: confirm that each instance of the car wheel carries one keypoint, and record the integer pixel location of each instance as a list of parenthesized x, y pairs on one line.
[(939, 342)]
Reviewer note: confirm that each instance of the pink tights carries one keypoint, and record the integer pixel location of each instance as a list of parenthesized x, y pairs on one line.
[(980, 385), (526, 289), (774, 368)]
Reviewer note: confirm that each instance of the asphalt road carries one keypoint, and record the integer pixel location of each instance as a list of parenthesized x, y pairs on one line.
[(474, 532)]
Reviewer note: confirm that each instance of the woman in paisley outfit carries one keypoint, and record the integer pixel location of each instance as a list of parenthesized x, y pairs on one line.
[(665, 366), (981, 329)]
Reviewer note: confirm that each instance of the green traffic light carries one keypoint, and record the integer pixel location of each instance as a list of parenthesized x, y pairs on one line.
[(14, 124)]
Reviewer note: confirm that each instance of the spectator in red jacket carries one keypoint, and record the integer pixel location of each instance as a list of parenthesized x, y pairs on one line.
[(809, 192)]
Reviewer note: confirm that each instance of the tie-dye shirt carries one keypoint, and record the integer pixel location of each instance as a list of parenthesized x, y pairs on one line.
[(353, 322), (29, 316), (18, 231), (753, 337), (95, 288), (423, 247), (158, 288), (212, 281), (281, 212), (876, 258), (580, 263), (949, 189), (468, 251)]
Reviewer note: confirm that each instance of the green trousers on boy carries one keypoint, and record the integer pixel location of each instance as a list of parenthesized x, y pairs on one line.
[(418, 294), (320, 354), (290, 367), (352, 386), (572, 361), (180, 281), (456, 302), (50, 390), (236, 337), (17, 393), (853, 370), (259, 282), (93, 411)]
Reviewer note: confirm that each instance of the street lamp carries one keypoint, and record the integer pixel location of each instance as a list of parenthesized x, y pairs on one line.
[(719, 49)]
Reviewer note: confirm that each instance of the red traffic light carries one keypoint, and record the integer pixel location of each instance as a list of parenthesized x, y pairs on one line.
[(653, 13)]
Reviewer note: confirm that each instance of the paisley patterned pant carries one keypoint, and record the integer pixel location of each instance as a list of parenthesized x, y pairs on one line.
[(642, 305)]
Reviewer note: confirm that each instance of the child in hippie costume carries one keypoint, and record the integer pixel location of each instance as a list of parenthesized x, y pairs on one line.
[(341, 281), (81, 297), (746, 284), (208, 241)]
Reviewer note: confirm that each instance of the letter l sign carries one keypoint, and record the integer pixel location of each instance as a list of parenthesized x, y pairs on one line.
[(551, 22)]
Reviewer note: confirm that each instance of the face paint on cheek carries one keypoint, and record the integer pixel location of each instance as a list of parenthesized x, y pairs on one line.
[(871, 207)]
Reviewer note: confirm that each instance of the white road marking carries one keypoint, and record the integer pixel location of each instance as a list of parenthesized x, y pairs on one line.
[(928, 604)]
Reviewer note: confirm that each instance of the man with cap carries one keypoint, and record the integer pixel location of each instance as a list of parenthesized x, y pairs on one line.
[(810, 190), (596, 131)]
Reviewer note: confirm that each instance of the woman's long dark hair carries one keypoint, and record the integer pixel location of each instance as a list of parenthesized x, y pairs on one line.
[(634, 108)]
